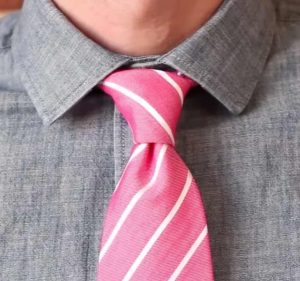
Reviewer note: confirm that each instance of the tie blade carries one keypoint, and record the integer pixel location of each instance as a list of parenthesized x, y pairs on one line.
[(143, 246)]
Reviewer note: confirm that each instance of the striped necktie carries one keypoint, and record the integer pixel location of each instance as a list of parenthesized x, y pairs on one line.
[(155, 226)]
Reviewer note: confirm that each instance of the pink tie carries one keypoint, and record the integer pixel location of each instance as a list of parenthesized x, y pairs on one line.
[(155, 227)]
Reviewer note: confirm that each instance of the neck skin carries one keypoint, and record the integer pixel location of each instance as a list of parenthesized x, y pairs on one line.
[(138, 27)]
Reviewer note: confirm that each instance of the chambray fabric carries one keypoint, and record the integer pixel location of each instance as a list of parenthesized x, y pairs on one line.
[(63, 145)]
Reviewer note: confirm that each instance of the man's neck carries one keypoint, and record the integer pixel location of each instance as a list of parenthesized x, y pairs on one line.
[(138, 27)]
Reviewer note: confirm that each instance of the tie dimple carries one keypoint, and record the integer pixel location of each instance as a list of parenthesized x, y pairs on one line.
[(151, 107)]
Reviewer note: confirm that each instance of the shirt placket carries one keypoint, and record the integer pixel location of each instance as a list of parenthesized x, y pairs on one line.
[(122, 144)]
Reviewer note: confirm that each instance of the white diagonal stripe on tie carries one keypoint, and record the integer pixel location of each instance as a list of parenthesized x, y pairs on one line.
[(136, 153), (148, 107), (133, 202), (189, 255), (160, 229), (172, 82)]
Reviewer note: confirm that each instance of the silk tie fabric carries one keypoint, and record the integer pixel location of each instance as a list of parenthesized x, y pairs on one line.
[(155, 226)]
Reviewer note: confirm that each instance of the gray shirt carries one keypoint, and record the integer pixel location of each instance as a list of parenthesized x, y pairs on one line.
[(63, 144)]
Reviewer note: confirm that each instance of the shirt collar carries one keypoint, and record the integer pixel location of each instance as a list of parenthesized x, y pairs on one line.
[(59, 65), (228, 54)]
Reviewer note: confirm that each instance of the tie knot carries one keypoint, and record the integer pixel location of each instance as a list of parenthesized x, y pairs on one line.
[(150, 100)]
